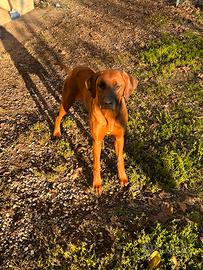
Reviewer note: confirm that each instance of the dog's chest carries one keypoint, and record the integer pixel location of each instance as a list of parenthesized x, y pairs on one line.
[(105, 122), (112, 125)]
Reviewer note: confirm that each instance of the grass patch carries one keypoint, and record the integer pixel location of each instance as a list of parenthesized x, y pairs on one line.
[(165, 123), (167, 148), (165, 55), (63, 149), (49, 177), (39, 133), (158, 19), (130, 251), (68, 122), (59, 169)]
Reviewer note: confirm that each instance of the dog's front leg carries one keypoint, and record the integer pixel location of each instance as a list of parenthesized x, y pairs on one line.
[(119, 143), (97, 182)]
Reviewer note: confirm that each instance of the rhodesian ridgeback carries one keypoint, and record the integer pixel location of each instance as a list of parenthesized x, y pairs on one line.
[(104, 94)]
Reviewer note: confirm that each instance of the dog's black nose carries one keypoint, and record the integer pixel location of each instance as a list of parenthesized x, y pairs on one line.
[(108, 103)]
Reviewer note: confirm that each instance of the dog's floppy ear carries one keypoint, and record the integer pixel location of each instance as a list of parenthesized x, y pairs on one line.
[(91, 84), (130, 84)]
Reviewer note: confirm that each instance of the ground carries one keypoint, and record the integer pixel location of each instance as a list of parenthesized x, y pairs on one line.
[(50, 216)]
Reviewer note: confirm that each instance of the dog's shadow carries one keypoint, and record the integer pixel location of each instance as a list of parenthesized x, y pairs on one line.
[(27, 65)]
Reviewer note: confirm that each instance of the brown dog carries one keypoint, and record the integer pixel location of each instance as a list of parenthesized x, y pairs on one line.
[(104, 94)]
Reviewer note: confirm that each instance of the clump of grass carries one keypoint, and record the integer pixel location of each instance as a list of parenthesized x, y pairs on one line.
[(157, 19), (39, 132), (59, 169), (38, 135), (49, 177), (164, 55), (39, 127), (63, 149), (68, 122)]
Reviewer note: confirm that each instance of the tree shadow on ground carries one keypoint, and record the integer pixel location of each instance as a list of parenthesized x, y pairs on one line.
[(135, 13)]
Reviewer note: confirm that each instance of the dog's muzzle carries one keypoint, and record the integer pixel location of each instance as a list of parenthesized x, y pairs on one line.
[(109, 102)]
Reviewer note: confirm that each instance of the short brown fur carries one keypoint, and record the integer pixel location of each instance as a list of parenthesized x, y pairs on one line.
[(104, 94)]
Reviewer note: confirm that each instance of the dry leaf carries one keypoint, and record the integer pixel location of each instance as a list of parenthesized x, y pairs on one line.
[(114, 219), (155, 259), (167, 208), (76, 173), (174, 262), (164, 195), (153, 202), (161, 216), (153, 126), (182, 206), (190, 200)]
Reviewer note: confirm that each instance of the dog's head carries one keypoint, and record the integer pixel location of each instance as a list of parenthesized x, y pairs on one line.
[(110, 86)]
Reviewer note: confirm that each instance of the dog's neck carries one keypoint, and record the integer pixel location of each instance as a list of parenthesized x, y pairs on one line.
[(110, 117)]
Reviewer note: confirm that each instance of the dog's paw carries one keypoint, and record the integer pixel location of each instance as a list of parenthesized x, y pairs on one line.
[(57, 134), (98, 187), (124, 181)]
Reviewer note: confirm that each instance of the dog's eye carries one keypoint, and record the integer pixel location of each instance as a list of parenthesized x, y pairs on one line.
[(102, 85), (116, 86)]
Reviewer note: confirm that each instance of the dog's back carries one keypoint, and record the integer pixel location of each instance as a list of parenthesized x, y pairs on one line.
[(75, 86)]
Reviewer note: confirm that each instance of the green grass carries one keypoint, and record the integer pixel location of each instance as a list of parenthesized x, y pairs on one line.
[(165, 118), (68, 123), (163, 56), (63, 149), (38, 133), (130, 251)]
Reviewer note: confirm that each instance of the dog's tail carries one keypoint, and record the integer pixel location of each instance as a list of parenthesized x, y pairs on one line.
[(63, 67)]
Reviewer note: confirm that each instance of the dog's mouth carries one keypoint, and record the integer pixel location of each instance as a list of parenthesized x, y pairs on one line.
[(109, 103), (105, 106)]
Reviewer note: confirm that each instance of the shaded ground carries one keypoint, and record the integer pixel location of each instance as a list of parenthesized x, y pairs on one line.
[(48, 209)]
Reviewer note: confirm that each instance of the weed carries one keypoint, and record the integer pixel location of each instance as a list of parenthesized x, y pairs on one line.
[(68, 122), (158, 19), (50, 177), (59, 168), (39, 133), (39, 127), (63, 149)]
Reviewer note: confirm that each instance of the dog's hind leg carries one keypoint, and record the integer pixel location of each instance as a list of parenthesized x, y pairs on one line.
[(68, 97), (57, 128)]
